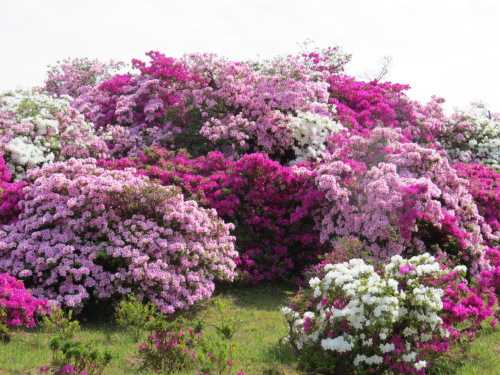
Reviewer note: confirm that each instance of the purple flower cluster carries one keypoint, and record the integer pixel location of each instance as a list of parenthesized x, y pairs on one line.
[(88, 230)]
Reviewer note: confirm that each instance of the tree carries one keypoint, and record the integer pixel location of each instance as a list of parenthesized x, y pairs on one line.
[(385, 63)]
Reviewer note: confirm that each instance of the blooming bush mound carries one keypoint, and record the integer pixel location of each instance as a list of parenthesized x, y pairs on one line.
[(255, 193), (87, 230), (205, 103), (366, 105), (397, 197), (36, 128), (356, 320)]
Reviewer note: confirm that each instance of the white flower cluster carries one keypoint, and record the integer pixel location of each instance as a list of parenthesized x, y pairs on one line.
[(38, 128), (310, 131), (373, 304), (480, 140)]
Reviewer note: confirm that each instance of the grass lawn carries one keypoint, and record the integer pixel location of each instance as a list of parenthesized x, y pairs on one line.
[(259, 336)]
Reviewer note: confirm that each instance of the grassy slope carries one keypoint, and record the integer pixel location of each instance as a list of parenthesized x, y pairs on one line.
[(259, 334)]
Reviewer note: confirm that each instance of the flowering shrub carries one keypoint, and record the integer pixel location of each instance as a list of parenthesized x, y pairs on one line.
[(310, 133), (356, 320), (88, 230), (71, 77), (17, 305), (491, 278), (397, 198), (251, 110), (170, 347), (466, 136), (10, 196), (40, 129), (255, 193), (135, 111), (204, 103), (484, 186)]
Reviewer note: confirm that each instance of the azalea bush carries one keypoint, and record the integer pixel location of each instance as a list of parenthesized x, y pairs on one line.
[(88, 230), (72, 356), (358, 320), (17, 306), (170, 346), (366, 105), (398, 198), (484, 186)]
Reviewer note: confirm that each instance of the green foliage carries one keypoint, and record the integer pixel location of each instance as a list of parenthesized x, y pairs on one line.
[(78, 356), (4, 333), (57, 323), (4, 330), (225, 328), (133, 316)]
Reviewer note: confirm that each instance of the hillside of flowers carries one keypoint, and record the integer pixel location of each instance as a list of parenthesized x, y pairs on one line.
[(185, 172)]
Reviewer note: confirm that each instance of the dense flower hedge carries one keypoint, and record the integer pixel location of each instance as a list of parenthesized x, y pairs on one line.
[(184, 171), (255, 193), (291, 151), (88, 230)]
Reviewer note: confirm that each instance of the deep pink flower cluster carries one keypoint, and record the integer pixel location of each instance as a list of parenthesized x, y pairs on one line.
[(366, 105), (88, 230), (10, 195), (484, 186), (17, 304), (255, 193), (5, 175)]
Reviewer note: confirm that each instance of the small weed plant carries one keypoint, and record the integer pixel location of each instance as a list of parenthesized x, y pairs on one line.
[(55, 321), (69, 355), (133, 316)]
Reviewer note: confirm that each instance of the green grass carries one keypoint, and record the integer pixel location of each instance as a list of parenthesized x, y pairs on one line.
[(261, 329), (259, 336), (479, 358)]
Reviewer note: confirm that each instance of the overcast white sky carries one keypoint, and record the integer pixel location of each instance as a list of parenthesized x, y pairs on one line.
[(449, 48)]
